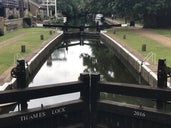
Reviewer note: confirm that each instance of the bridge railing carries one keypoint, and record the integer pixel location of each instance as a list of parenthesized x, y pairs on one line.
[(76, 111), (65, 27), (90, 110)]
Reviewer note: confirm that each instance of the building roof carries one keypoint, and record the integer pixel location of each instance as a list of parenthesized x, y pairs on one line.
[(9, 3)]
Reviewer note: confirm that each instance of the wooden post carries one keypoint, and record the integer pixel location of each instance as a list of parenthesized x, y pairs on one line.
[(95, 95), (85, 96)]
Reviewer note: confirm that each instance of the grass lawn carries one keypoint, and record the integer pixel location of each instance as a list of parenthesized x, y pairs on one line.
[(136, 41), (30, 37)]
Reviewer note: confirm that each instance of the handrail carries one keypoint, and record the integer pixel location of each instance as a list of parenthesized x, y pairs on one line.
[(18, 95), (134, 90)]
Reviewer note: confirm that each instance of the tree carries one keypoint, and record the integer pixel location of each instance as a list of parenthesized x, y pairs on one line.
[(71, 8), (155, 13)]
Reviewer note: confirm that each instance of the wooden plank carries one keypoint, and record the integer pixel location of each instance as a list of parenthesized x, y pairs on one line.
[(134, 111), (18, 118), (135, 90), (39, 92)]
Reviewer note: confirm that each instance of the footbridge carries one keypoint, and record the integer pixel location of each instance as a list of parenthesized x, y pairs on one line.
[(90, 110)]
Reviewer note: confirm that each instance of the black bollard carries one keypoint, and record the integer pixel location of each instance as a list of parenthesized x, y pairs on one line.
[(19, 72), (95, 96), (23, 105), (162, 74), (85, 96), (143, 47), (162, 80), (41, 37), (65, 27), (81, 28), (23, 48), (98, 27), (50, 32)]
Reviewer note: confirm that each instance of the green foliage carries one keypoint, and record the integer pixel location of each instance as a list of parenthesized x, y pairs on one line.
[(71, 8), (155, 13), (27, 22)]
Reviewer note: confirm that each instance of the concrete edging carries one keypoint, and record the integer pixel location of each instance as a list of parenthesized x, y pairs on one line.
[(136, 63), (36, 62)]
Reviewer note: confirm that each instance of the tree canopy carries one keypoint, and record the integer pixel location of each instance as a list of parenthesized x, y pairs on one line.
[(154, 13), (71, 8)]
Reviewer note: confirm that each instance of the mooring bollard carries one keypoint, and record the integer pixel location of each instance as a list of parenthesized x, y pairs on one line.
[(23, 48), (124, 36), (143, 47), (162, 73), (41, 37), (50, 32), (162, 80)]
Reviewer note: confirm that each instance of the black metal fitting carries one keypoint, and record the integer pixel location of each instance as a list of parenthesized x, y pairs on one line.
[(162, 73), (19, 72), (169, 71)]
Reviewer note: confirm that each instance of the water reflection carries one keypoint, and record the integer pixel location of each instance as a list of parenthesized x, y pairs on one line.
[(107, 64), (72, 58), (64, 66)]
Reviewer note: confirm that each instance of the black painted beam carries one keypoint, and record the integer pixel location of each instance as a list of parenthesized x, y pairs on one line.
[(135, 90), (39, 92), (134, 111), (29, 116)]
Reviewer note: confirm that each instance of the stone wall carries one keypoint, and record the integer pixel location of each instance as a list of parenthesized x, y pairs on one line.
[(1, 25), (128, 58), (38, 60), (13, 24)]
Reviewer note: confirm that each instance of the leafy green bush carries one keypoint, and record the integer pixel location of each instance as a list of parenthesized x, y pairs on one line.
[(27, 22)]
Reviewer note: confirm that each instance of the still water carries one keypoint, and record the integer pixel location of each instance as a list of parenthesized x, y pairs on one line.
[(66, 64)]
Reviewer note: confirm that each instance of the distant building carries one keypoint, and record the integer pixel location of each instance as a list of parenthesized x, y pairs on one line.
[(13, 8), (51, 7)]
